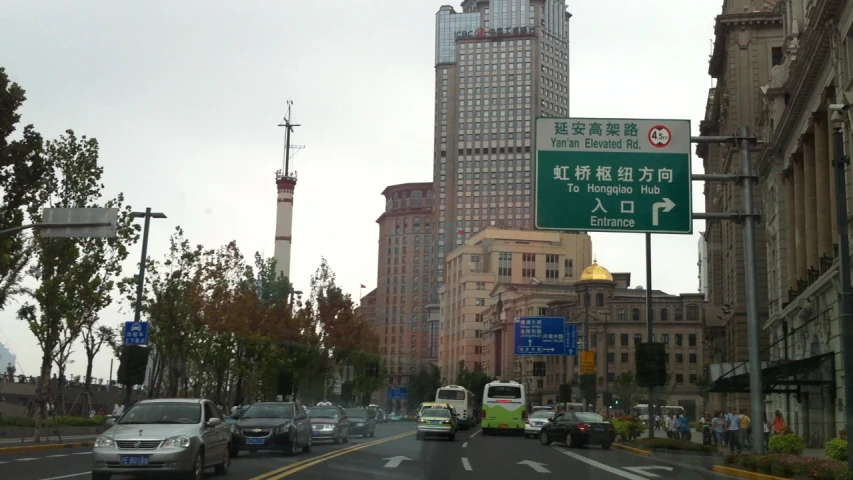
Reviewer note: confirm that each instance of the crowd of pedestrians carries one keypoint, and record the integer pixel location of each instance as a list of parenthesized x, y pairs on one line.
[(734, 430)]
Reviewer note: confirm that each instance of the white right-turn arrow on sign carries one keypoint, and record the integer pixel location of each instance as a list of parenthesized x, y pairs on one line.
[(666, 205)]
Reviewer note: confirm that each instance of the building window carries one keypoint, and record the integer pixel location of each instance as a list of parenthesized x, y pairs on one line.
[(505, 267), (679, 358), (552, 267), (678, 315), (691, 358), (679, 378), (664, 314), (679, 340), (620, 315), (691, 340), (611, 339), (611, 357), (528, 265), (635, 314), (599, 299), (638, 338), (586, 299), (624, 356), (692, 313), (776, 56), (623, 339), (664, 338), (570, 269)]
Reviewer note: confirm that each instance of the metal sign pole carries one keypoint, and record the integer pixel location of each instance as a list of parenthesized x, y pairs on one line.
[(650, 330)]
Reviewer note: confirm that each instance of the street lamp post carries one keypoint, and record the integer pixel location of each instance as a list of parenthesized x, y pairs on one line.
[(137, 315)]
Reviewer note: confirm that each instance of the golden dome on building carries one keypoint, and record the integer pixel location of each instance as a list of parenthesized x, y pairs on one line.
[(596, 272)]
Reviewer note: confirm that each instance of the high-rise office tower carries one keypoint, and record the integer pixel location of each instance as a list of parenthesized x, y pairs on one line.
[(498, 65)]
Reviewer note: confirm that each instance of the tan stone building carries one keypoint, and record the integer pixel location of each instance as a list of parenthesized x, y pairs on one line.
[(812, 69), (747, 46), (492, 257), (617, 322), (402, 284)]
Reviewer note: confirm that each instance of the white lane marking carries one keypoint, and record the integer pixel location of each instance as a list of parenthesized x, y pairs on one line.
[(606, 468), (83, 453), (475, 433), (25, 459), (55, 456), (467, 465), (465, 445), (75, 475)]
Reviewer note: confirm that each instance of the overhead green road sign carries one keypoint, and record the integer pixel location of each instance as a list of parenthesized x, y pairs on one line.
[(613, 175)]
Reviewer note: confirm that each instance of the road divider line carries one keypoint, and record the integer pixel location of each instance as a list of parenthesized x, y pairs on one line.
[(466, 464), (465, 445), (309, 462), (599, 465), (475, 433)]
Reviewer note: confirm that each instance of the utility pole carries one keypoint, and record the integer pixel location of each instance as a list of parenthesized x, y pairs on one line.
[(650, 332), (744, 141), (846, 318), (288, 126), (140, 284)]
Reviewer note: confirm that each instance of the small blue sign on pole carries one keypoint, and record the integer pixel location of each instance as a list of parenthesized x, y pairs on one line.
[(548, 336), (135, 333), (398, 393)]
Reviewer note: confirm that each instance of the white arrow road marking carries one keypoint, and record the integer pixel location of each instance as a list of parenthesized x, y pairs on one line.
[(538, 467), (593, 463), (466, 464), (645, 470), (394, 462), (666, 205)]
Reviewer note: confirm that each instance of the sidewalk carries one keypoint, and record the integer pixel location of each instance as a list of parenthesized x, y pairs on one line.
[(14, 442), (696, 437)]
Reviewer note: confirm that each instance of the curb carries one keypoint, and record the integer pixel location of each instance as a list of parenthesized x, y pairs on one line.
[(47, 446), (638, 451), (736, 472)]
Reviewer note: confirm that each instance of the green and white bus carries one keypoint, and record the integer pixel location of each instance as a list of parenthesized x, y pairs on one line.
[(504, 407), (462, 401)]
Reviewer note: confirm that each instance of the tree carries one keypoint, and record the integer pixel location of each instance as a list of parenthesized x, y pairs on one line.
[(475, 381), (67, 289), (703, 386), (626, 390), (423, 386), (23, 174)]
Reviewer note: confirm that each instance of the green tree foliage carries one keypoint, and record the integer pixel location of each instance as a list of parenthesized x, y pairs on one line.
[(626, 390), (74, 275), (423, 386), (23, 179), (474, 380)]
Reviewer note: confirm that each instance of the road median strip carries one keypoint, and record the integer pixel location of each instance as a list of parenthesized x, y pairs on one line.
[(310, 462), (736, 472), (44, 446), (638, 451)]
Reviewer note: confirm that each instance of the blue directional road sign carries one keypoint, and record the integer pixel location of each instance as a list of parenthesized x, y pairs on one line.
[(545, 336), (136, 333), (398, 393)]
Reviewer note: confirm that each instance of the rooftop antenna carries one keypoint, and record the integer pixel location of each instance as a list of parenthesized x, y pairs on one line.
[(289, 126)]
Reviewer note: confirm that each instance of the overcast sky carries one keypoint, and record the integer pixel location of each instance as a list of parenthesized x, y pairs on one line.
[(185, 98)]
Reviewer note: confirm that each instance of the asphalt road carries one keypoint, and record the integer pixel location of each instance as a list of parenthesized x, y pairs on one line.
[(396, 454)]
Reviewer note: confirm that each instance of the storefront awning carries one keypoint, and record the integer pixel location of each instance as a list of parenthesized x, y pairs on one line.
[(777, 377)]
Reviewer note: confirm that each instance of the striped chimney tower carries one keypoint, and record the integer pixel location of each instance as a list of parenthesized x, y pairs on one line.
[(285, 182)]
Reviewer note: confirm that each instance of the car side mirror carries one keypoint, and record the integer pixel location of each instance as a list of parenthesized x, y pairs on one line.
[(109, 422), (214, 422)]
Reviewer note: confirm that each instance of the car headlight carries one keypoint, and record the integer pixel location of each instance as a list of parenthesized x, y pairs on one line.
[(179, 441), (327, 427), (282, 429), (359, 424), (104, 442)]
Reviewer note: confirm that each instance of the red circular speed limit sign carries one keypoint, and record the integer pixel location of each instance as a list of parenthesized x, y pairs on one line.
[(660, 136)]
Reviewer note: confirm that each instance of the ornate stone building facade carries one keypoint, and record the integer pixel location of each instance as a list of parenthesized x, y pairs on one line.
[(747, 45), (797, 180)]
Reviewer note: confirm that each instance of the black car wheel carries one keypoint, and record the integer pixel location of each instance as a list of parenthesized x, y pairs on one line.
[(222, 468), (543, 438), (307, 448)]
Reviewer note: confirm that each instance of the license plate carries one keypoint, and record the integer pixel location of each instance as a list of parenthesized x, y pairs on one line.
[(503, 425), (254, 441), (133, 460), (599, 429), (434, 422)]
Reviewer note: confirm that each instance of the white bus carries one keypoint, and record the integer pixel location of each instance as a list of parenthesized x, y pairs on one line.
[(504, 407), (462, 401)]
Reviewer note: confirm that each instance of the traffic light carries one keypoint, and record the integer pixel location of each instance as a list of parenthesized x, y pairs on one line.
[(566, 393), (607, 399)]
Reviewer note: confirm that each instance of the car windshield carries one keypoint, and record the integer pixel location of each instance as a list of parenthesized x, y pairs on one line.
[(269, 411), (323, 412), (239, 412), (589, 417), (437, 412), (357, 413), (542, 414), (162, 413)]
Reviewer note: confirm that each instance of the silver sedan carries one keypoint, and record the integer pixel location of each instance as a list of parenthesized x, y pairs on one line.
[(164, 436), (535, 421)]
